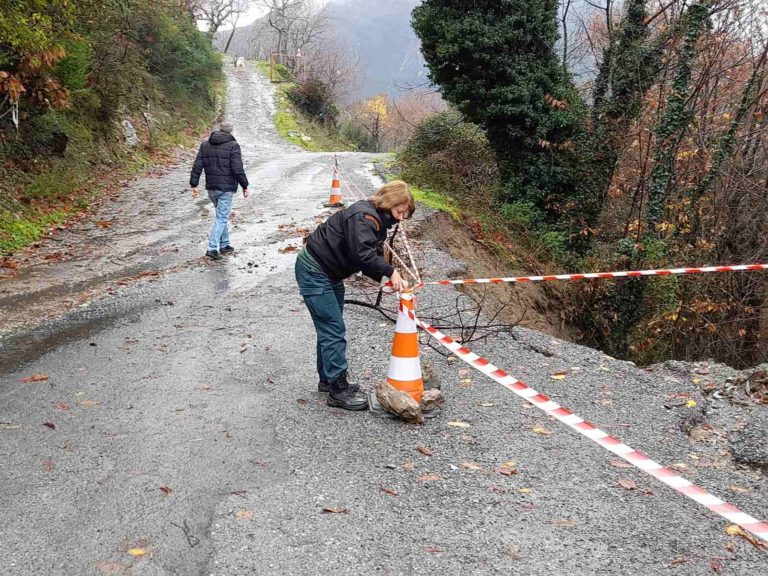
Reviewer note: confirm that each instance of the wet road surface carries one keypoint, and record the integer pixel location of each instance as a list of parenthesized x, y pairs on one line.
[(175, 428)]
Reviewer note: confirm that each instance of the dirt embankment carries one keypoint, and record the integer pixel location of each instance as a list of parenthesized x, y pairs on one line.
[(537, 306)]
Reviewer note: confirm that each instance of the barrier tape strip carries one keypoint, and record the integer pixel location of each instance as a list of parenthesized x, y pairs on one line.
[(591, 275), (634, 457)]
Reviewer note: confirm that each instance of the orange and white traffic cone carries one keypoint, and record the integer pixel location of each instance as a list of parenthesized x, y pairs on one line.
[(404, 364), (335, 199)]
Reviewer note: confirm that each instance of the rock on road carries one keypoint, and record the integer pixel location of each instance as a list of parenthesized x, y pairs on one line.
[(179, 431)]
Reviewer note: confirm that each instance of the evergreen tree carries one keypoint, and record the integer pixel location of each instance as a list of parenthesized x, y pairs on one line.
[(495, 61)]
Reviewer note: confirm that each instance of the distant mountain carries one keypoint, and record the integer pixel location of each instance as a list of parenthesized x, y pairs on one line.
[(382, 31)]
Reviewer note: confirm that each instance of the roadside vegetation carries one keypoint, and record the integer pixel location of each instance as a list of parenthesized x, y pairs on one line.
[(70, 83), (647, 160)]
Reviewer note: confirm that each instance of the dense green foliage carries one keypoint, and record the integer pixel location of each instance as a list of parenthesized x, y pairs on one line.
[(494, 60), (75, 69)]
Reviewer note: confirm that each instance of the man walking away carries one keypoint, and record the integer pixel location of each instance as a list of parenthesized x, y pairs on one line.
[(221, 159)]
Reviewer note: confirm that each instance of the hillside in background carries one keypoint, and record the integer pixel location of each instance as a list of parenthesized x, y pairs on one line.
[(383, 34)]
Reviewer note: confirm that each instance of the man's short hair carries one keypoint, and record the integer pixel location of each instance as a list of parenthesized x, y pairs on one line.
[(226, 127)]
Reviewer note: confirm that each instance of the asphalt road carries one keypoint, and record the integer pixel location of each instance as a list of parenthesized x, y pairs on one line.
[(179, 431)]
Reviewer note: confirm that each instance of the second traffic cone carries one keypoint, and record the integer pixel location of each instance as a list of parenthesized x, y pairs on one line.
[(335, 199), (404, 364)]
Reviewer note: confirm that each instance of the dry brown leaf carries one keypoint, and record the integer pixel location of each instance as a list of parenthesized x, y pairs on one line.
[(111, 567), (409, 466), (620, 464), (61, 406), (242, 513), (458, 424), (425, 451), (627, 484), (734, 530), (541, 430), (335, 511), (103, 223), (507, 469), (388, 491), (88, 403), (470, 466), (738, 489), (563, 523), (35, 378), (166, 490), (680, 560), (559, 375), (433, 549), (50, 425), (428, 478), (514, 552), (716, 564), (730, 546)]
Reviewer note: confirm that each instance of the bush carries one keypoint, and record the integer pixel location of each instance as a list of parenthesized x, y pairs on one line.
[(448, 155), (72, 70), (315, 100)]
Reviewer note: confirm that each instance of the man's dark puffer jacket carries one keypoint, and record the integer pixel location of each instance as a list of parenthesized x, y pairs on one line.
[(222, 161), (353, 240)]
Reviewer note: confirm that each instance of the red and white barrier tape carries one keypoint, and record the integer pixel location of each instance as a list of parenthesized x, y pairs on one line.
[(637, 459), (590, 275)]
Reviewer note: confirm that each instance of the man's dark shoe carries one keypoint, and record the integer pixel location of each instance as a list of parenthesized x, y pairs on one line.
[(343, 396), (213, 255), (325, 386), (226, 250)]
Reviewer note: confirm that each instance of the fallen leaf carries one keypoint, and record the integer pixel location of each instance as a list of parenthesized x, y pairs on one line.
[(738, 489), (514, 552), (409, 466), (506, 470), (288, 249), (302, 400), (690, 404), (525, 490), (9, 426), (388, 491), (204, 388), (627, 484), (35, 378), (559, 375), (50, 425), (466, 382), (470, 466), (680, 560), (242, 513), (620, 464), (428, 478), (103, 224), (433, 549), (88, 403), (563, 523), (137, 551), (61, 406), (487, 404), (541, 430), (459, 424), (734, 530), (716, 564), (730, 546), (335, 511), (425, 451), (166, 490)]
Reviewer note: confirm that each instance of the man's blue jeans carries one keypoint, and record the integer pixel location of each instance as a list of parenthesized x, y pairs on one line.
[(325, 300), (219, 237)]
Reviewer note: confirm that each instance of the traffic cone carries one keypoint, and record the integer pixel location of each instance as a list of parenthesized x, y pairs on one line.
[(404, 364), (335, 199)]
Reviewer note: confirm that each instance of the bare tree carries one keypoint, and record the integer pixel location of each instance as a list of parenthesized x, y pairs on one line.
[(218, 12)]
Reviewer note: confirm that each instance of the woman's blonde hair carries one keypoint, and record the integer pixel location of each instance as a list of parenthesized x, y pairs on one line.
[(393, 194)]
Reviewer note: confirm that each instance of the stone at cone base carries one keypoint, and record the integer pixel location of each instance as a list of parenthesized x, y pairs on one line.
[(428, 375), (431, 399), (397, 402)]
